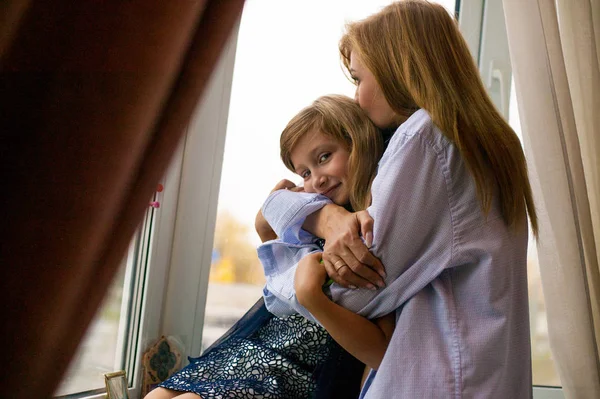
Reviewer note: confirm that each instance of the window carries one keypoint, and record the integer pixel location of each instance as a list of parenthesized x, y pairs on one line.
[(111, 341), (488, 42), (194, 290), (97, 353), (258, 113), (251, 164)]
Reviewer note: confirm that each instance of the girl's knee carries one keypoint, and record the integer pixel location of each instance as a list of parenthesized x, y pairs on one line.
[(162, 393), (189, 395)]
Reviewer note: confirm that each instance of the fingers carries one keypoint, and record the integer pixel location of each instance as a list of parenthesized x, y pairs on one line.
[(316, 256), (348, 260), (340, 270), (283, 184), (366, 227), (335, 276), (366, 264), (362, 270)]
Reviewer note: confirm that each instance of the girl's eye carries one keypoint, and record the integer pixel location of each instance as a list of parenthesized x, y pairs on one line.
[(324, 157), (354, 79), (305, 175)]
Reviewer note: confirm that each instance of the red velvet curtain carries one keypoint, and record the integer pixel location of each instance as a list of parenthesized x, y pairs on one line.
[(94, 97)]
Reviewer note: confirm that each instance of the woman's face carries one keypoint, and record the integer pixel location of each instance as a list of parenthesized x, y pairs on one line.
[(370, 96), (322, 163)]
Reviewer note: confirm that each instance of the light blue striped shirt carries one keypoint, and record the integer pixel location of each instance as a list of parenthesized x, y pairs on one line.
[(457, 280)]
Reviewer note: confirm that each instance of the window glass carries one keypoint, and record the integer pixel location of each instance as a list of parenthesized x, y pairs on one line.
[(110, 343), (97, 352), (544, 369)]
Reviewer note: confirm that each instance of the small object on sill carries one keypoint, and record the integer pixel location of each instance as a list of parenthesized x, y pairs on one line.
[(159, 362), (160, 188), (155, 204), (116, 385)]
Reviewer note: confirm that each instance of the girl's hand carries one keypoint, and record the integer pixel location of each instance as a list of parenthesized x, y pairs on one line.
[(264, 230), (347, 259), (309, 279), (284, 184)]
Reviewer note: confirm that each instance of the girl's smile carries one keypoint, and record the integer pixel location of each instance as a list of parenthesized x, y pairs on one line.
[(331, 192)]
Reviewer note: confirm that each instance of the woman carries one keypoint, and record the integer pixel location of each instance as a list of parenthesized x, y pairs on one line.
[(449, 212)]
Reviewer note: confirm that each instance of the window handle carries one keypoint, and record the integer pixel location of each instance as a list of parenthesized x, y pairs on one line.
[(496, 74)]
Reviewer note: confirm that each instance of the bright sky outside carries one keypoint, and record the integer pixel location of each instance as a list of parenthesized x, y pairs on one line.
[(287, 56)]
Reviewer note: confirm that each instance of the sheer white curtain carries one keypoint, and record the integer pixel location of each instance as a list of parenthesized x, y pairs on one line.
[(555, 57)]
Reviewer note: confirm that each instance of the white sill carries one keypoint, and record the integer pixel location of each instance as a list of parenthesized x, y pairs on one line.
[(133, 393), (548, 393)]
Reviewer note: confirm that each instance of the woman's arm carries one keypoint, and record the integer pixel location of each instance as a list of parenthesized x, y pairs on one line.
[(346, 257), (364, 339), (286, 212)]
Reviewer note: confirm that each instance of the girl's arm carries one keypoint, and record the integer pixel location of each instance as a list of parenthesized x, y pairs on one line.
[(286, 212), (364, 339), (264, 230)]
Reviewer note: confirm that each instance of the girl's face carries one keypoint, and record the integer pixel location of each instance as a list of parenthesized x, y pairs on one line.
[(370, 96), (322, 162)]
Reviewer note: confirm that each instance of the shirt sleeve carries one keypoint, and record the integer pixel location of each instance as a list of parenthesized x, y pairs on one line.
[(412, 234), (280, 260), (286, 210)]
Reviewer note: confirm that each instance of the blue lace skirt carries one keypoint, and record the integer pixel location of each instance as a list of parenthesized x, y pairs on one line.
[(263, 356)]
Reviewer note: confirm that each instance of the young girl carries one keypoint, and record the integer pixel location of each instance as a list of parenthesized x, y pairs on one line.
[(334, 147), (335, 161), (449, 208)]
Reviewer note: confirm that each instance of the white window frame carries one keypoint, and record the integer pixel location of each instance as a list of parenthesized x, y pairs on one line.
[(174, 294), (178, 280), (483, 26), (135, 263)]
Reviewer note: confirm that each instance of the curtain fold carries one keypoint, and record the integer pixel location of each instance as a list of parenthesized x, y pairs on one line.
[(94, 97), (554, 52)]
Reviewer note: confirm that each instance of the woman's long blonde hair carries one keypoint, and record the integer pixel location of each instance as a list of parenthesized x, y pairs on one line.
[(341, 118), (420, 60)]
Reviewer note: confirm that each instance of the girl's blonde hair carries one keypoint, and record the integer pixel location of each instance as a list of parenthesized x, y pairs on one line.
[(420, 60), (341, 118)]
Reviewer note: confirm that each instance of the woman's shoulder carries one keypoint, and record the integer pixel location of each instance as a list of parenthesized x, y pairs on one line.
[(420, 121), (420, 127)]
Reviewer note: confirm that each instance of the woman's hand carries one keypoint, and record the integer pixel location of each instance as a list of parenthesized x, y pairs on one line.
[(347, 259), (264, 230), (309, 279)]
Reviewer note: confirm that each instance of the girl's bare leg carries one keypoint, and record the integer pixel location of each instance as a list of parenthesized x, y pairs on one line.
[(163, 393), (188, 395)]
